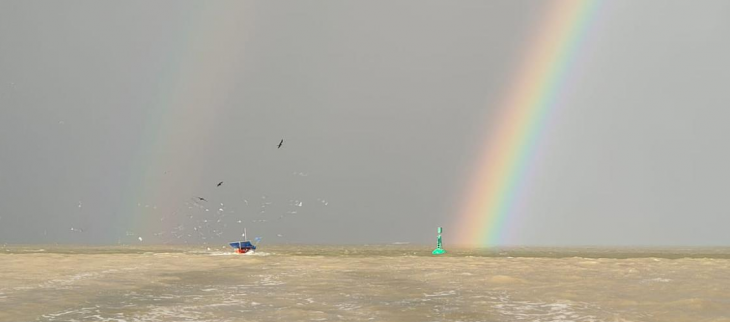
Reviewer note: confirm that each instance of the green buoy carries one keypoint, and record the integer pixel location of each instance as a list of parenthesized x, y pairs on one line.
[(439, 250)]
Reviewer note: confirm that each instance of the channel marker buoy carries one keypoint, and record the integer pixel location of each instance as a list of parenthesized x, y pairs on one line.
[(439, 250)]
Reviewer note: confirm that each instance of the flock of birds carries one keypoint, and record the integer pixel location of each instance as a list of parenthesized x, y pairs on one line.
[(202, 225)]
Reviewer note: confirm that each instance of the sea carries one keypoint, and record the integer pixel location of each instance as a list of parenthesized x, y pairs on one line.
[(363, 283)]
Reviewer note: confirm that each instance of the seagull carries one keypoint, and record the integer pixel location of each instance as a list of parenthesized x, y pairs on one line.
[(280, 143), (219, 184)]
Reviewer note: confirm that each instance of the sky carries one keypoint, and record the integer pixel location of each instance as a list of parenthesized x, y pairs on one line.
[(115, 116)]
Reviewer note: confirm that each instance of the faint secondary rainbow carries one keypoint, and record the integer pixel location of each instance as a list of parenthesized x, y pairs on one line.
[(195, 82), (512, 139)]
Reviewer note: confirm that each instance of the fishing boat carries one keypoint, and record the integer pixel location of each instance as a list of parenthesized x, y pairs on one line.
[(245, 246), (242, 247)]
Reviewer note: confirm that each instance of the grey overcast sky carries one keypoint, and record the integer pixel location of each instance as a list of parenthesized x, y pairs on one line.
[(114, 115)]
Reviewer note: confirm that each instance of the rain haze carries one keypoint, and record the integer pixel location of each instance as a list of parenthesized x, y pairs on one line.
[(116, 116)]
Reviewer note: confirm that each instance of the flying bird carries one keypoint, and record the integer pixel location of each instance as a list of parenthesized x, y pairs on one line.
[(201, 199), (219, 184), (280, 143)]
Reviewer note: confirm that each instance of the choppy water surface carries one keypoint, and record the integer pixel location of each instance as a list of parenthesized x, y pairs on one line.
[(366, 283)]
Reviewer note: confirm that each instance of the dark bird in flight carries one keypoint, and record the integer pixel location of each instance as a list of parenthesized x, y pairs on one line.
[(201, 199), (219, 184), (280, 143)]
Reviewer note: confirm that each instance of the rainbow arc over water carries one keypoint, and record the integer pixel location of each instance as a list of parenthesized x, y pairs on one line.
[(194, 88), (513, 138)]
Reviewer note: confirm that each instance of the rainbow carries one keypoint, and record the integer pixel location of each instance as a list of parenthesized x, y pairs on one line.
[(513, 139), (195, 82)]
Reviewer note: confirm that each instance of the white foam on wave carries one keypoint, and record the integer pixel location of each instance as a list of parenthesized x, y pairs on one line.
[(223, 254), (538, 311), (70, 281), (187, 311), (176, 313), (270, 280), (236, 254), (657, 280), (166, 254), (84, 314), (348, 306), (438, 294)]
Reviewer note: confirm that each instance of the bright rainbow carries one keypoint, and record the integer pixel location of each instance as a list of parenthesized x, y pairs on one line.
[(511, 145)]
